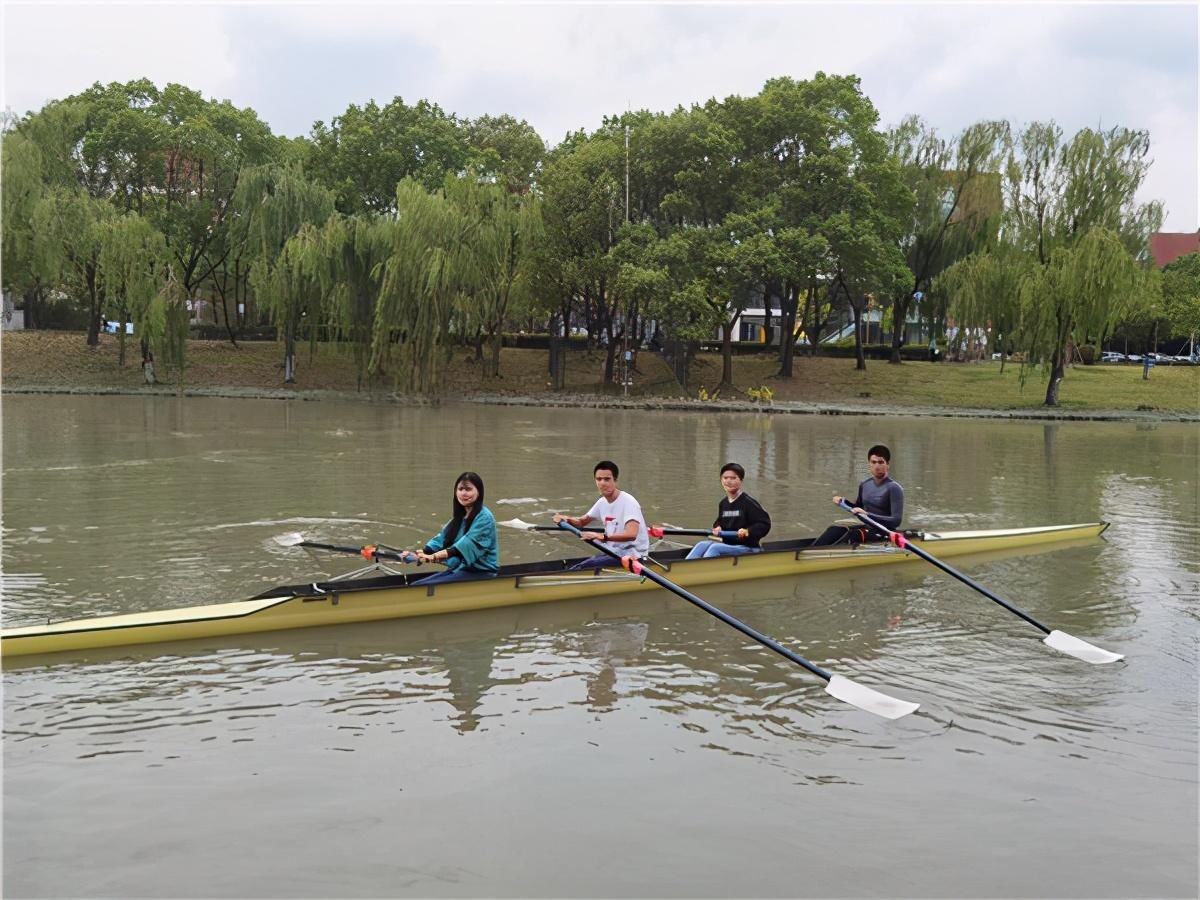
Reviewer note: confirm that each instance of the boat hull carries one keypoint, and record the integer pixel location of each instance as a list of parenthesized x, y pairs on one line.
[(372, 599)]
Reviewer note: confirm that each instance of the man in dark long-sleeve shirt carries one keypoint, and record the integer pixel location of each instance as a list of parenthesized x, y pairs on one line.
[(878, 496), (741, 517)]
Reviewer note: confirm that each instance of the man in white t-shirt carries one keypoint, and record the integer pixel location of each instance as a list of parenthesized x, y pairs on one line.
[(624, 526)]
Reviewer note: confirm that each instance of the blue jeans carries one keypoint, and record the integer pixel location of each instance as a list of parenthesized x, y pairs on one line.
[(455, 575), (709, 549)]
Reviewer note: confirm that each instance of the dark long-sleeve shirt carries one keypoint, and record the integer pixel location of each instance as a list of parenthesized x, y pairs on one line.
[(884, 502), (743, 512)]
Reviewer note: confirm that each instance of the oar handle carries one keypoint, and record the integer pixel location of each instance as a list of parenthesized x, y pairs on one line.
[(657, 532), (370, 551), (373, 553), (902, 542), (634, 565)]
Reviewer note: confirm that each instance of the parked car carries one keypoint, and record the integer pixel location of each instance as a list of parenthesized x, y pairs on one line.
[(1110, 356)]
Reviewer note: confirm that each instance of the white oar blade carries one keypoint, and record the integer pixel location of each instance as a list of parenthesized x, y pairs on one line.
[(289, 540), (518, 523), (1073, 646), (869, 699)]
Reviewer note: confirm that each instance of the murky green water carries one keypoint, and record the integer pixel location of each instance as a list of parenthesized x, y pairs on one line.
[(631, 747)]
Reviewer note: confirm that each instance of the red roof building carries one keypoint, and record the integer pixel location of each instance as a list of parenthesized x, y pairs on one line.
[(1167, 247)]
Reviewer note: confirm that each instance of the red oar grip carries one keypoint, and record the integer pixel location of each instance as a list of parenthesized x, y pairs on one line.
[(898, 539), (655, 532), (368, 552), (631, 564)]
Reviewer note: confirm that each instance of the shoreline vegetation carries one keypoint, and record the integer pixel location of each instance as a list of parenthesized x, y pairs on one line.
[(61, 362)]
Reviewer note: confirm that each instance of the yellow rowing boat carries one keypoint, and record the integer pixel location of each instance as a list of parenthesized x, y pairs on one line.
[(365, 599)]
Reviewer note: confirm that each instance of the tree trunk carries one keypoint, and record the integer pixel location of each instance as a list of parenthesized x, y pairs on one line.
[(289, 353), (147, 363), (767, 292), (1057, 371), (787, 329), (726, 356), (495, 341), (899, 318), (33, 312), (610, 355), (813, 323), (860, 360)]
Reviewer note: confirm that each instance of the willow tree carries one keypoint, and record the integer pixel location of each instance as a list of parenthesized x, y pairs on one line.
[(1056, 195), (20, 190), (291, 291), (349, 255), (429, 269), (1083, 289), (985, 292), (165, 328), (956, 185), (274, 204), (70, 226), (504, 228), (131, 269)]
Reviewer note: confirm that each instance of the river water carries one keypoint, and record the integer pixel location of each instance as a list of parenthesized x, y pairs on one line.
[(629, 747)]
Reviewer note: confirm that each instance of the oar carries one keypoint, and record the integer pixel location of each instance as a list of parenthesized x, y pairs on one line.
[(657, 532), (653, 531), (843, 688), (522, 525), (1059, 640), (371, 552)]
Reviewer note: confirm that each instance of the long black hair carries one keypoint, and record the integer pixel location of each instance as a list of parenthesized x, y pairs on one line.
[(462, 519)]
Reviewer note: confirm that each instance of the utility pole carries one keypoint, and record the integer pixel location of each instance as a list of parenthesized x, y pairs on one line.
[(626, 174)]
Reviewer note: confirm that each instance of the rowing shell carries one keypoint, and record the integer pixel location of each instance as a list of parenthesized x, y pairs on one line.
[(399, 596)]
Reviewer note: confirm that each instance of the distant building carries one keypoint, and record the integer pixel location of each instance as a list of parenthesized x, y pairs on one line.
[(1166, 247)]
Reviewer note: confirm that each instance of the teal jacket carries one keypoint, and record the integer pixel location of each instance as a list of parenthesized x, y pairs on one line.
[(476, 550)]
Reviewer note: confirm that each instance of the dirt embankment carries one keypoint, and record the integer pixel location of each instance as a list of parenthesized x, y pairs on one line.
[(41, 361)]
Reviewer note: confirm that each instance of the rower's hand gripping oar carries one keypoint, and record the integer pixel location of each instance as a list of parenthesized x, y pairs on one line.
[(1059, 640), (371, 551), (843, 688)]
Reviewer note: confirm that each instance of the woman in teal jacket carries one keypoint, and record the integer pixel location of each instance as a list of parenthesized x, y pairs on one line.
[(467, 546)]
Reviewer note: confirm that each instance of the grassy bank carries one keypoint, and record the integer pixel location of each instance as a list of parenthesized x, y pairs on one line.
[(61, 360)]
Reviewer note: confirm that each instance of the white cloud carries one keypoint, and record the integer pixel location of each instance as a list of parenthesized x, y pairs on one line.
[(564, 66), (53, 51)]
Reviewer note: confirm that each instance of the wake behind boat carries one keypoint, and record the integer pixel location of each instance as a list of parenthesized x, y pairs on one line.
[(400, 595)]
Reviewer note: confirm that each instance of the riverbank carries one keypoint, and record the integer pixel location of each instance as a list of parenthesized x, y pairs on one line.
[(60, 362)]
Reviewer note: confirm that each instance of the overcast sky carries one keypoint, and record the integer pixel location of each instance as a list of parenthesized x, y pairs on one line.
[(563, 66)]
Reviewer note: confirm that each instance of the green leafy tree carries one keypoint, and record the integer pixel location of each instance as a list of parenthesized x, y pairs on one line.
[(363, 154), (506, 149), (1181, 295)]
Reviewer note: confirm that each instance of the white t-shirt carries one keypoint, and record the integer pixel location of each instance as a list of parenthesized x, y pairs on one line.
[(614, 516)]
